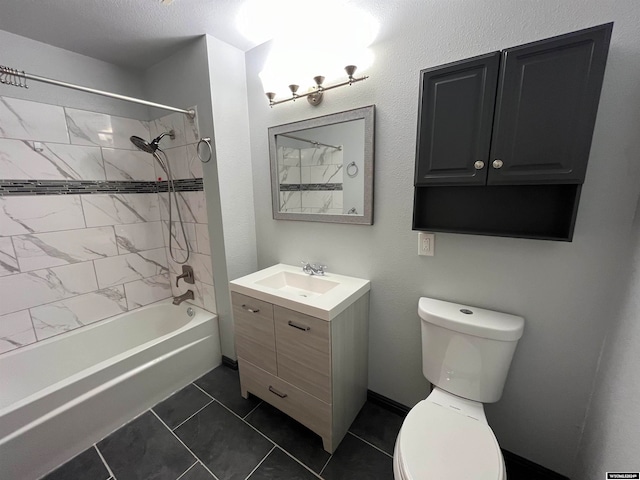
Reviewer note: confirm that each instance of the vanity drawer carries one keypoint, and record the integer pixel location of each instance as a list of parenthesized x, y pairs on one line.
[(306, 409), (254, 331), (304, 352)]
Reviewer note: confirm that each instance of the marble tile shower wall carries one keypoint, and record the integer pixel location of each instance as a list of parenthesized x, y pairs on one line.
[(311, 180), (70, 260)]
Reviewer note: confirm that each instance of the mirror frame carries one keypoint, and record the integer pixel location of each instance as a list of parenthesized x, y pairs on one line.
[(365, 113)]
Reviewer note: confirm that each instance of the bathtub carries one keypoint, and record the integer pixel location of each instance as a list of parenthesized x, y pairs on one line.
[(60, 396)]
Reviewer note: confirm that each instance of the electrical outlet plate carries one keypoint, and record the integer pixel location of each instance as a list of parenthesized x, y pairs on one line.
[(426, 244)]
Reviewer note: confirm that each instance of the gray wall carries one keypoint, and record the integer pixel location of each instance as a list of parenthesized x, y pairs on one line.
[(47, 61), (611, 438), (231, 117), (562, 289), (182, 80)]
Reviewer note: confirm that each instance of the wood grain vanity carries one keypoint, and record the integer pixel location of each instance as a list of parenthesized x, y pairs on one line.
[(311, 368)]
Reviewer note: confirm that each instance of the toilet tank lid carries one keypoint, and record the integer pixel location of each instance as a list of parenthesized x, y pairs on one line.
[(471, 320)]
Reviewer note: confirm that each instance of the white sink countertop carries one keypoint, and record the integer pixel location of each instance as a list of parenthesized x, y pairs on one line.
[(323, 297)]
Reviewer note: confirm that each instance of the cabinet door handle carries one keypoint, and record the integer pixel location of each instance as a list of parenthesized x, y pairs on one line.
[(497, 163), (478, 165), (250, 309), (274, 391), (299, 327)]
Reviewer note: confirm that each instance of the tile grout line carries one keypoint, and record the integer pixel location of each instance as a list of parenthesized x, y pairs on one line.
[(91, 260), (247, 423), (203, 391), (190, 417), (88, 228), (370, 444), (260, 462), (325, 464), (267, 438), (187, 470), (202, 464), (75, 296), (93, 145), (252, 410), (112, 475), (183, 444), (299, 461)]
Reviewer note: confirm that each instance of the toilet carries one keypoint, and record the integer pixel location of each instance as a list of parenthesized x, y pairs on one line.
[(466, 354)]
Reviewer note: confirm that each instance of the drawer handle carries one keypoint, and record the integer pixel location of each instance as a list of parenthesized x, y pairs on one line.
[(250, 309), (299, 327), (273, 390)]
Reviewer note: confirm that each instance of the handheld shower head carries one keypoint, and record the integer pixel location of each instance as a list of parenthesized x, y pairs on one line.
[(151, 147), (142, 144), (154, 149)]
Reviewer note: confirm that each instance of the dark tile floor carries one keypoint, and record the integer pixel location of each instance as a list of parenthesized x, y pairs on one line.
[(208, 431)]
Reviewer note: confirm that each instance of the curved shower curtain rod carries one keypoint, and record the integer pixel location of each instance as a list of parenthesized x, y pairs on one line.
[(11, 76)]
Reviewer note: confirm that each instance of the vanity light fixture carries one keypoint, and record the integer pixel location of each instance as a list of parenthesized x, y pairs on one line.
[(314, 96)]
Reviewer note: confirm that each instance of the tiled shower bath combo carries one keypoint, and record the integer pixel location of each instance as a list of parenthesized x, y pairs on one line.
[(84, 218)]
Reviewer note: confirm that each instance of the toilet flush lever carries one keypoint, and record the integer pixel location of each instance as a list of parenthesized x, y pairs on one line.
[(187, 274)]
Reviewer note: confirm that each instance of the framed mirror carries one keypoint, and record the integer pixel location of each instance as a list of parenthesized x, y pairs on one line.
[(322, 168)]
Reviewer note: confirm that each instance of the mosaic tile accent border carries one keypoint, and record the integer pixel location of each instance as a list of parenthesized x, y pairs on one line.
[(81, 187), (297, 187), (183, 185)]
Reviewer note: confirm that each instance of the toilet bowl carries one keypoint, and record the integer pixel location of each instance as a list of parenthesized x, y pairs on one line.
[(466, 355), (445, 436)]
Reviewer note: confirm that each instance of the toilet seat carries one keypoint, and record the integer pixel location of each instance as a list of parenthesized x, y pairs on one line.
[(437, 442)]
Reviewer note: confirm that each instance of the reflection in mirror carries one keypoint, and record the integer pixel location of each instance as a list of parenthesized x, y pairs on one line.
[(322, 168)]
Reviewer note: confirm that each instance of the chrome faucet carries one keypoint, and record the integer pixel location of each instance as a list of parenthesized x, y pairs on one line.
[(188, 295), (314, 269)]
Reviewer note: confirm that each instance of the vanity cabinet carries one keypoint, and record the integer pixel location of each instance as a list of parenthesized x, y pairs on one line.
[(520, 117), (312, 369)]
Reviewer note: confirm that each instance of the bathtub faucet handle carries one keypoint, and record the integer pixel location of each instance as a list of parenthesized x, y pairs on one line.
[(187, 274)]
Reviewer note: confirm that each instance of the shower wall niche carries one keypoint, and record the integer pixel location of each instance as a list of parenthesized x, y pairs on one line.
[(84, 218)]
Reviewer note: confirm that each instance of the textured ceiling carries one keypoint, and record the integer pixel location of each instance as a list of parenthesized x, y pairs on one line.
[(131, 33)]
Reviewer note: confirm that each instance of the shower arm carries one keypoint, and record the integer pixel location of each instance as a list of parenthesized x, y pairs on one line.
[(11, 76)]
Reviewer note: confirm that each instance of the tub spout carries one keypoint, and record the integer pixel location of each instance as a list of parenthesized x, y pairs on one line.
[(188, 295)]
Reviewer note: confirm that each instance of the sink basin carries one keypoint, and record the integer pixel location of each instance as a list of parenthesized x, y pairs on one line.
[(319, 296), (299, 284)]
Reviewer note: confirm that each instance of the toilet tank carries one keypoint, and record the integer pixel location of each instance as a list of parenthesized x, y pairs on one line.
[(466, 350)]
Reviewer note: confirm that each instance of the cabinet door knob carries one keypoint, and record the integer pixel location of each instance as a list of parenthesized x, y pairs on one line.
[(497, 163), (250, 309), (479, 165)]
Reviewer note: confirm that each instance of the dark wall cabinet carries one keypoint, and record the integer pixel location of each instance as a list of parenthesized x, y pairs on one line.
[(520, 117), (454, 126)]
